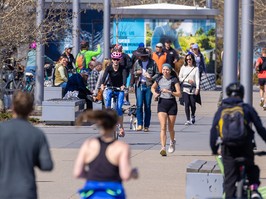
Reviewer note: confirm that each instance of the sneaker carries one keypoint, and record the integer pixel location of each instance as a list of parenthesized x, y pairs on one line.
[(187, 123), (163, 151), (139, 128), (171, 148), (261, 102), (255, 195), (126, 103), (146, 129), (193, 119), (264, 107)]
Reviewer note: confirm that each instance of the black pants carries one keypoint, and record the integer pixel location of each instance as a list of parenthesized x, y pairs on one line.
[(190, 103), (82, 95), (231, 169)]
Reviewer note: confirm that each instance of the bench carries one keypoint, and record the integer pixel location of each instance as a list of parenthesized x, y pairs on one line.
[(62, 111), (52, 93), (204, 180)]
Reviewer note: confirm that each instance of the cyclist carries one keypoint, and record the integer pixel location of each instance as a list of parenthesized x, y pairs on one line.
[(117, 78), (235, 93), (108, 159)]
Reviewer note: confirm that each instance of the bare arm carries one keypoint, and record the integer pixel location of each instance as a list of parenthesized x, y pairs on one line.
[(79, 171), (177, 93), (125, 170)]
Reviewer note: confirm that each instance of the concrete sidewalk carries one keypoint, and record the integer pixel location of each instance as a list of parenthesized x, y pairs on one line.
[(160, 177)]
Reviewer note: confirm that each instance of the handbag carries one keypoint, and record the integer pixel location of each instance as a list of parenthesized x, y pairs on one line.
[(181, 99), (99, 96)]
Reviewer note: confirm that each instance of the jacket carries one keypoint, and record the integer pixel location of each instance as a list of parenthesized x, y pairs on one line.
[(152, 69), (159, 59), (250, 115)]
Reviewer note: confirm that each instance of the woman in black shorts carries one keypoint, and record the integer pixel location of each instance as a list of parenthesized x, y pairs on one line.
[(169, 88)]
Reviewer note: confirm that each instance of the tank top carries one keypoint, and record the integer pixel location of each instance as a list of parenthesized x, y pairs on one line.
[(100, 169)]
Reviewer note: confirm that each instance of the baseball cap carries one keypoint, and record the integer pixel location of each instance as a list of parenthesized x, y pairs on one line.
[(159, 45), (67, 46), (141, 44), (195, 46)]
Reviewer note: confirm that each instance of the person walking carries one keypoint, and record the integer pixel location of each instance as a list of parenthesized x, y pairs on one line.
[(67, 53), (239, 145), (189, 78), (199, 58), (103, 161), (143, 75), (261, 69), (167, 105), (159, 56), (23, 147), (171, 55)]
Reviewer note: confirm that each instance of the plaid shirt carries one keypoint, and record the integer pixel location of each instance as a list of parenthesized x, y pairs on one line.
[(92, 79)]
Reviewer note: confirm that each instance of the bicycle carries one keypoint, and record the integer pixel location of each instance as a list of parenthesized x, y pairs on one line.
[(242, 185), (114, 106)]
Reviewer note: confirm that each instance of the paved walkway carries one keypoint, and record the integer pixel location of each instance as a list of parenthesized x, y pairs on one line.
[(160, 177)]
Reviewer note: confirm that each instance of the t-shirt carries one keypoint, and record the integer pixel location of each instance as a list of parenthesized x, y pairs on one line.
[(261, 74), (167, 84), (22, 147), (117, 78)]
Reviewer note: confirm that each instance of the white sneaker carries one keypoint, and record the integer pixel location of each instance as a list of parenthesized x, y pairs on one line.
[(264, 107), (187, 123), (171, 148)]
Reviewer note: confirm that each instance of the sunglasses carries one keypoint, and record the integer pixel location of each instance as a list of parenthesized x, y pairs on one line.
[(195, 49), (116, 59), (189, 59)]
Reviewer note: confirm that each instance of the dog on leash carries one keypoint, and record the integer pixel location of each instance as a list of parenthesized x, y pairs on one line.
[(132, 111)]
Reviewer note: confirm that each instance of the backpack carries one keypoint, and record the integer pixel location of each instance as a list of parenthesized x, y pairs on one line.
[(126, 61), (263, 65), (81, 61), (232, 125)]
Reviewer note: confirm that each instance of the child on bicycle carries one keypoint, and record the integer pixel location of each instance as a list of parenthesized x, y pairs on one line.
[(235, 93), (117, 78)]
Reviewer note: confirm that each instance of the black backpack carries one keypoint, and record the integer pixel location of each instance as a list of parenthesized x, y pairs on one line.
[(232, 125), (263, 65)]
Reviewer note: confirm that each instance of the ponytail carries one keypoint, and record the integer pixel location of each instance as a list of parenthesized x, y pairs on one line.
[(106, 119)]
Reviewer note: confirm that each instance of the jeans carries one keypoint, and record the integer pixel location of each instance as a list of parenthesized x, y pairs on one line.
[(120, 100), (144, 95)]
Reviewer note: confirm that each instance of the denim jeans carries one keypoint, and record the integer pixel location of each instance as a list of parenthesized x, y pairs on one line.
[(143, 96), (120, 100)]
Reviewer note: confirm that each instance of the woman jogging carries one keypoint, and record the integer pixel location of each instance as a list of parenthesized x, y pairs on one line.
[(189, 78), (103, 161), (167, 106)]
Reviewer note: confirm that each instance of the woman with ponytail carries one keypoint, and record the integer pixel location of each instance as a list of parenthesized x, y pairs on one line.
[(103, 161)]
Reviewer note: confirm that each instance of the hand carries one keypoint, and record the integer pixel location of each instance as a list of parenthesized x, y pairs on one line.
[(196, 91), (190, 81), (147, 75), (102, 87), (134, 173), (93, 58), (164, 90), (94, 98), (139, 72), (122, 87), (156, 95)]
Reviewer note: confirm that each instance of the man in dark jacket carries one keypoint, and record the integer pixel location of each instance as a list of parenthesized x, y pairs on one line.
[(172, 57), (235, 92)]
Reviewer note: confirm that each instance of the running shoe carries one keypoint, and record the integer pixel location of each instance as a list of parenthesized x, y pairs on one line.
[(163, 151), (264, 107), (126, 103), (187, 123), (139, 128), (193, 119), (171, 148), (255, 195)]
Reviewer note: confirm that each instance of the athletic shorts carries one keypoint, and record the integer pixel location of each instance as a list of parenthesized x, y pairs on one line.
[(168, 106), (262, 81)]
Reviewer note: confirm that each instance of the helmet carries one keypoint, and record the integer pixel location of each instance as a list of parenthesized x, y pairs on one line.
[(116, 55), (118, 47), (235, 89), (33, 45)]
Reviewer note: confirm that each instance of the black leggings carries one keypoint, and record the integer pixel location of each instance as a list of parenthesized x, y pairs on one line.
[(190, 102)]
